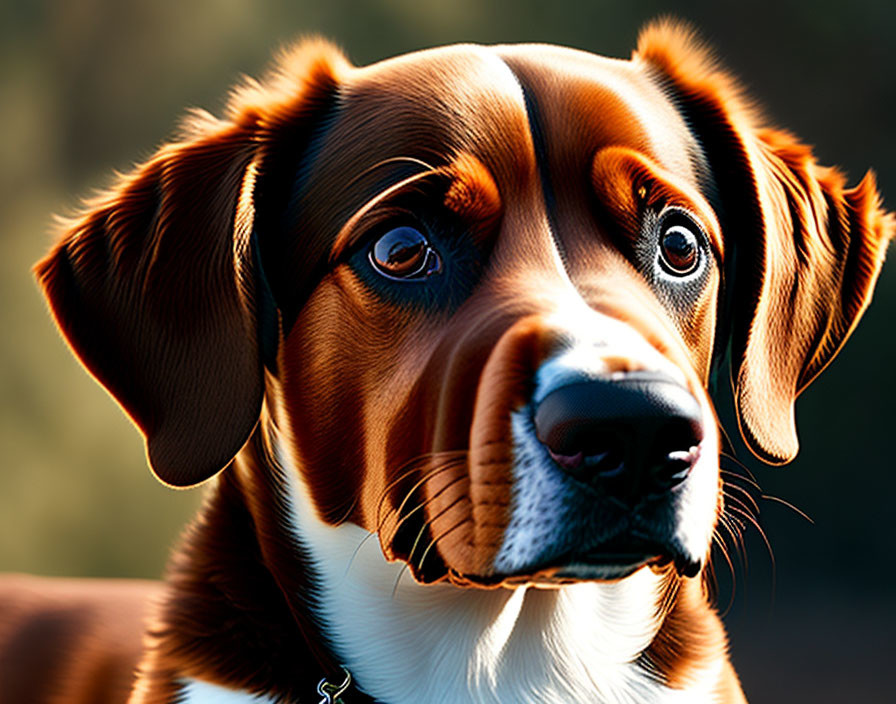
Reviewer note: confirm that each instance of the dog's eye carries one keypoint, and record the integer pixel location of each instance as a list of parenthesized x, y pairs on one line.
[(404, 253), (679, 250)]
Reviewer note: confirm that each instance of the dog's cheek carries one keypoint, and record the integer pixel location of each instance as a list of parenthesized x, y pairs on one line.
[(698, 328), (348, 365), (324, 393), (470, 512)]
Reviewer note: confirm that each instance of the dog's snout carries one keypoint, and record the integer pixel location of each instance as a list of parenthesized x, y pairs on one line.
[(635, 435)]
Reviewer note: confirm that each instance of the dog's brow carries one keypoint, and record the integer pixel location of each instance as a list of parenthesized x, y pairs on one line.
[(350, 232), (471, 193), (617, 172)]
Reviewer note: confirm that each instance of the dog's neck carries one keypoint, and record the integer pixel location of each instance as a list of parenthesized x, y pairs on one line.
[(410, 643), (306, 595)]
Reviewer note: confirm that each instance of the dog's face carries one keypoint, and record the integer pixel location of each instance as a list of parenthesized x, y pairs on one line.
[(489, 287), (516, 318)]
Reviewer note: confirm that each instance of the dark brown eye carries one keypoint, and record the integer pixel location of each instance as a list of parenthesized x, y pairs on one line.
[(679, 250), (404, 253)]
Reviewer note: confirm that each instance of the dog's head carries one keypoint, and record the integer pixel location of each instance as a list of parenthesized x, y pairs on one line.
[(482, 292)]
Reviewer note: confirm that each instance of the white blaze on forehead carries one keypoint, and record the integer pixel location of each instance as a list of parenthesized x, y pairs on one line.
[(596, 345)]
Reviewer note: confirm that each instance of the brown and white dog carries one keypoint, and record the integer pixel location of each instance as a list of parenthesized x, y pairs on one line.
[(447, 324)]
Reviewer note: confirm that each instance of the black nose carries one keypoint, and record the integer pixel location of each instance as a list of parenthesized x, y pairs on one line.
[(630, 434)]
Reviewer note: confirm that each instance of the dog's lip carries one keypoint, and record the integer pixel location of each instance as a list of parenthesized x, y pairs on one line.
[(604, 567), (634, 551), (609, 561), (613, 559), (597, 568)]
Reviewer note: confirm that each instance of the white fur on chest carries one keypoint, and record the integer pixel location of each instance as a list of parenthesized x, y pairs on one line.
[(414, 644), (198, 692)]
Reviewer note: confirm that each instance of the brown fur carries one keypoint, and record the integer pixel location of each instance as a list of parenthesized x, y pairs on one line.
[(209, 291), (71, 641)]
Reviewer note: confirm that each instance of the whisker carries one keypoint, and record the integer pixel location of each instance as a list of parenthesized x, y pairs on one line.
[(731, 529), (723, 548), (428, 524), (731, 458), (348, 511), (423, 504), (404, 568), (747, 496), (423, 528), (768, 545), (356, 552), (741, 477), (380, 522), (345, 236), (434, 541), (784, 502), (420, 506), (450, 464), (750, 509), (427, 168), (735, 528), (725, 436), (411, 466), (670, 593)]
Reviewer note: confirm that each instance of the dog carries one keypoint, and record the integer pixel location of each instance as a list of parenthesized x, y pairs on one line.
[(439, 333)]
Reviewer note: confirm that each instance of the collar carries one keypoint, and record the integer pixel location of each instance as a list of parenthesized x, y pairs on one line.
[(341, 690)]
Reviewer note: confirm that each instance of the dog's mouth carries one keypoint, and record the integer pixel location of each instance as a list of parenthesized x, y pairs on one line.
[(609, 561)]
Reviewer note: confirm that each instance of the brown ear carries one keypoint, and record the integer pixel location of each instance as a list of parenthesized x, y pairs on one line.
[(804, 251), (805, 279), (154, 287)]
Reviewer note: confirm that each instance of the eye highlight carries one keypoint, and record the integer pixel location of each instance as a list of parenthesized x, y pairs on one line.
[(404, 254)]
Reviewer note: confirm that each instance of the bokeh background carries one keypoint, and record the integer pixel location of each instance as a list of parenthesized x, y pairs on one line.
[(91, 86)]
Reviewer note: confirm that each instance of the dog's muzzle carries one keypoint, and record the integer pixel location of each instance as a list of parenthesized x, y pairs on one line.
[(606, 479)]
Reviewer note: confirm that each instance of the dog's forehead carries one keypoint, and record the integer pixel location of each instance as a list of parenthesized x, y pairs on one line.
[(434, 104), (583, 102), (457, 79), (494, 102)]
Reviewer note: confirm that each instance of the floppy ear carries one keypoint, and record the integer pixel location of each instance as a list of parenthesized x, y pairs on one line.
[(805, 279), (154, 287), (802, 251)]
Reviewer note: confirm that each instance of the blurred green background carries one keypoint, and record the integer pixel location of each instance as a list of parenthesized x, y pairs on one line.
[(91, 86)]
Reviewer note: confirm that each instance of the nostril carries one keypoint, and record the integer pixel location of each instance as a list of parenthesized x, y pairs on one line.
[(608, 463), (604, 461), (672, 454), (568, 462), (673, 469)]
